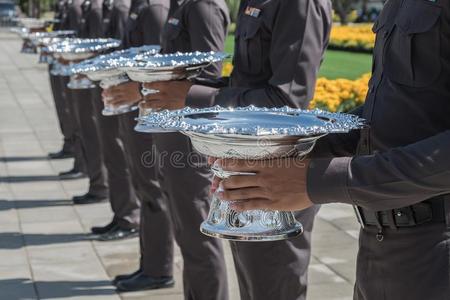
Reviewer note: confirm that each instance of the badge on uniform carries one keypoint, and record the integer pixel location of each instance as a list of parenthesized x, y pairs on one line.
[(252, 11), (173, 21), (133, 16)]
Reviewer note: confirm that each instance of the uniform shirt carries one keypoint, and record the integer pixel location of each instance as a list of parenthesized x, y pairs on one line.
[(92, 19), (407, 149), (115, 17), (145, 22), (74, 15), (279, 46), (197, 25)]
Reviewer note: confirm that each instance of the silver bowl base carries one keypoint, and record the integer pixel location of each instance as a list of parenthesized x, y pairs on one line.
[(240, 235)]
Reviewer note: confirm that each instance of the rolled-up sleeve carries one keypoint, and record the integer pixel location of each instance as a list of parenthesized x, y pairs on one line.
[(396, 178), (295, 57)]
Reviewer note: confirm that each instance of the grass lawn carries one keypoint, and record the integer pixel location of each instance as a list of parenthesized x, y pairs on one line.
[(337, 64)]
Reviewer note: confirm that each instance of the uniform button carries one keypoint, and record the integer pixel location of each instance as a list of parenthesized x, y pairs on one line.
[(399, 214)]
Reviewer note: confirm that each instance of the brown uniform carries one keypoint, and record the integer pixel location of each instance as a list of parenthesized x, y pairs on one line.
[(400, 177), (68, 12), (196, 25), (90, 145), (144, 27), (278, 50)]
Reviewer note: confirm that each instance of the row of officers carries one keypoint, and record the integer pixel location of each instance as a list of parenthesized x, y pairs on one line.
[(394, 172)]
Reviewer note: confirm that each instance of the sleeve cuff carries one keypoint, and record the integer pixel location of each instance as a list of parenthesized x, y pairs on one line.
[(327, 180), (201, 96)]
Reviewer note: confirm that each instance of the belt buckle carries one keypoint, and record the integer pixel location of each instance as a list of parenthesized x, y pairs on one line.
[(359, 216)]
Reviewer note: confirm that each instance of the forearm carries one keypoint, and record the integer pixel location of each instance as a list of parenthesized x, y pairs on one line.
[(399, 177)]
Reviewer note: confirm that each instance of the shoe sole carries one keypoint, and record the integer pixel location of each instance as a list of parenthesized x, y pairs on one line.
[(167, 286), (131, 236)]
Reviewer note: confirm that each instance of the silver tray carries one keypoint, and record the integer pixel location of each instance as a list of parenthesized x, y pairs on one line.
[(174, 66), (46, 38), (104, 66), (79, 49)]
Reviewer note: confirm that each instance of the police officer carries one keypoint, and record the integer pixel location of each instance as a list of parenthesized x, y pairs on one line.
[(397, 172), (57, 88), (196, 25), (70, 20), (107, 147), (88, 149), (274, 65), (144, 26)]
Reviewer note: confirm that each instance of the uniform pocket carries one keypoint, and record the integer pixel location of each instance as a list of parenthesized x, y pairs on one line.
[(412, 54), (250, 52)]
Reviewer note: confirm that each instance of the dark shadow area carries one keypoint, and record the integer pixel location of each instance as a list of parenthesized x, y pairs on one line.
[(17, 288), (18, 179), (23, 158), (23, 204), (15, 240)]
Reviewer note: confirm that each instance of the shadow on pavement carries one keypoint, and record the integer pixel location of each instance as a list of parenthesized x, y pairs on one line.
[(23, 204), (15, 240), (23, 158), (15, 287), (18, 179)]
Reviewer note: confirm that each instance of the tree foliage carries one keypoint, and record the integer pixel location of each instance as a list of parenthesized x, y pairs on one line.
[(343, 8)]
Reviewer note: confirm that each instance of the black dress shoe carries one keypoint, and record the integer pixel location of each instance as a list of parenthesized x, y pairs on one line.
[(125, 277), (61, 154), (118, 233), (72, 174), (89, 199), (143, 282), (104, 229)]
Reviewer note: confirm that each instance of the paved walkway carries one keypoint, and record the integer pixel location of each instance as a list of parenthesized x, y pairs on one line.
[(45, 252)]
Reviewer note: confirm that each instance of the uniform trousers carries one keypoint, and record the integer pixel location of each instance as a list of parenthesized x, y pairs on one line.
[(275, 270), (88, 149), (410, 263), (123, 199), (185, 183), (156, 235), (65, 119)]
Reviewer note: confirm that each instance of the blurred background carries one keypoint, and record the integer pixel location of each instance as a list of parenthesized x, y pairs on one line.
[(344, 74)]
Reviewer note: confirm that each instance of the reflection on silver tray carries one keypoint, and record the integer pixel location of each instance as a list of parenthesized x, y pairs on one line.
[(106, 65), (255, 121), (75, 48), (46, 38), (174, 66)]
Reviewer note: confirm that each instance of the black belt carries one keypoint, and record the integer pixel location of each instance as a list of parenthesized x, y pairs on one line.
[(429, 211)]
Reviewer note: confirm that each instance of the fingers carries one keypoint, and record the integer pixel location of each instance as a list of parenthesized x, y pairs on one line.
[(152, 104), (242, 194), (215, 184), (239, 165), (239, 182), (211, 160), (252, 204)]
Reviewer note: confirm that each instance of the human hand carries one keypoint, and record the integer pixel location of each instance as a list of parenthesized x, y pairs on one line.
[(126, 93), (278, 184), (171, 94)]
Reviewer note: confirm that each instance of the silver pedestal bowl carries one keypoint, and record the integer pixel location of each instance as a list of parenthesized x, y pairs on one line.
[(251, 133), (105, 68), (167, 67), (74, 50)]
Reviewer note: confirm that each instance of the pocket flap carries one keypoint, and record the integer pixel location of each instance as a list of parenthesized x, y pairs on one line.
[(251, 29), (418, 16)]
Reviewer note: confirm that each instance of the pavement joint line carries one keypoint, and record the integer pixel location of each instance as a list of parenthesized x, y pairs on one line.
[(30, 267), (27, 254)]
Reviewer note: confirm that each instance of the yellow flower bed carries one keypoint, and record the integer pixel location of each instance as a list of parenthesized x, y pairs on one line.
[(340, 94), (333, 95), (354, 37)]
